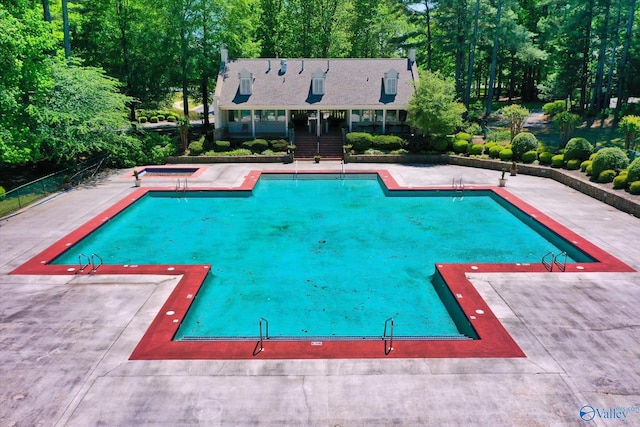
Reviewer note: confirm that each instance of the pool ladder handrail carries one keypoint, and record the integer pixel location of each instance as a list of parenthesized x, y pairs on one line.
[(260, 344), (388, 349), (83, 265), (548, 264), (457, 185), (93, 263), (179, 185)]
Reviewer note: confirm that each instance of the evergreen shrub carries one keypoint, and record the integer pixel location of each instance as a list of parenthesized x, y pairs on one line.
[(387, 142), (545, 157), (463, 136), (634, 170), (578, 148), (620, 181), (506, 154), (161, 117), (634, 187), (171, 119), (530, 156), (494, 151), (279, 145), (222, 146), (606, 176), (142, 119), (557, 161), (609, 158), (584, 165), (360, 141), (476, 149), (573, 164), (195, 148), (460, 146), (256, 145), (153, 119), (555, 107), (523, 142)]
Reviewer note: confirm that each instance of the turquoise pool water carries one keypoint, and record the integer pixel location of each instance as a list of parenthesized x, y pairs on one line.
[(318, 257)]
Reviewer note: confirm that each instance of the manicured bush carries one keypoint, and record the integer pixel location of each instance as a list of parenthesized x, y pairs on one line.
[(153, 119), (222, 146), (545, 157), (161, 117), (620, 181), (578, 148), (463, 136), (236, 152), (476, 149), (195, 148), (530, 156), (589, 170), (634, 170), (473, 129), (634, 187), (573, 164), (171, 119), (494, 151), (506, 154), (279, 145), (557, 161), (400, 151), (3, 192), (609, 158), (555, 107), (593, 156), (360, 141), (256, 145), (387, 142), (460, 146), (441, 144), (584, 165), (606, 176), (142, 119), (523, 142)]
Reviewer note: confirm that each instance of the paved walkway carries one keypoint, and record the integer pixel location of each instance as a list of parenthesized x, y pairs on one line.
[(65, 340)]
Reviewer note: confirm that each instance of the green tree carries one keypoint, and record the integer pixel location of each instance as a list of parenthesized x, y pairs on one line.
[(515, 115), (434, 108), (630, 126), (566, 123)]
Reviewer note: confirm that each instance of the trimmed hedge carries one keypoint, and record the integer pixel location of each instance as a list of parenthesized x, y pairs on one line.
[(634, 187), (609, 158), (387, 142), (153, 119), (506, 154), (584, 165), (634, 170), (620, 182), (545, 157), (523, 142), (555, 107), (360, 141), (256, 145), (463, 136), (494, 151), (195, 148), (142, 119), (557, 161), (476, 149), (279, 145), (530, 156), (573, 164), (578, 148), (441, 145), (172, 119), (460, 146), (222, 146), (606, 176)]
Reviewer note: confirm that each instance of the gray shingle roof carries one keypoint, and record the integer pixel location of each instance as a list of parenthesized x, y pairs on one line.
[(349, 83)]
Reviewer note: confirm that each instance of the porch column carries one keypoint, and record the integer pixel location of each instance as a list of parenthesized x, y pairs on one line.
[(350, 113), (318, 123), (253, 124), (286, 122), (384, 121)]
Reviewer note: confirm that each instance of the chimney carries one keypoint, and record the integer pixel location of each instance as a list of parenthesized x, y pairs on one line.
[(412, 57), (224, 56), (283, 66)]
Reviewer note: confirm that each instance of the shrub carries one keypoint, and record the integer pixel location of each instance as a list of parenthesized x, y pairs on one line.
[(142, 119), (589, 170), (555, 107), (473, 129), (400, 151), (360, 141), (494, 151), (530, 156), (506, 154), (153, 119), (161, 117), (195, 148), (606, 176), (573, 164), (3, 192), (634, 170), (441, 144), (476, 149), (609, 158), (557, 161), (256, 145), (387, 142), (171, 119), (634, 187), (463, 136), (578, 148), (222, 146), (460, 146), (523, 142), (593, 156), (620, 182), (545, 158), (279, 145), (584, 165)]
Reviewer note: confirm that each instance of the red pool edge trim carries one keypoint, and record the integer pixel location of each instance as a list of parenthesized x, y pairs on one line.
[(157, 344)]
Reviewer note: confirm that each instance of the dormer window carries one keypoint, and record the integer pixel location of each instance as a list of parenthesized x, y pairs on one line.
[(317, 82), (391, 82), (246, 82)]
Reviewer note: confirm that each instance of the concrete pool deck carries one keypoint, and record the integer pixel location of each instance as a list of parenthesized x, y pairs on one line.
[(66, 340)]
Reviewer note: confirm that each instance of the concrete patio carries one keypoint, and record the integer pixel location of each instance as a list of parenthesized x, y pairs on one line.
[(65, 340)]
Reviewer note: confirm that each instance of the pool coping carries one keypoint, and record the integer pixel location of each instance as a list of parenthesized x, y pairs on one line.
[(157, 342)]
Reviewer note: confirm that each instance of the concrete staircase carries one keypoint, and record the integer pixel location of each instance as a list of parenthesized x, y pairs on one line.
[(307, 145)]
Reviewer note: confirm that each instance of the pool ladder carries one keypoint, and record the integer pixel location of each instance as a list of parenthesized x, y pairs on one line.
[(388, 348), (180, 187), (457, 185), (550, 259), (91, 261), (259, 346)]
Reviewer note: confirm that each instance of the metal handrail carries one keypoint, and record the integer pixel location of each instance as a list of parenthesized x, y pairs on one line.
[(562, 266), (266, 336), (388, 349), (548, 265), (85, 265), (93, 263)]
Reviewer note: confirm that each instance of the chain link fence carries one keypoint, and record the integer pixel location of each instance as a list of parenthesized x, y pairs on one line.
[(30, 193)]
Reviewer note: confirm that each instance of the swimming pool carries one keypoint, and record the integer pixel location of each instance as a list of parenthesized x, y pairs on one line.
[(124, 250)]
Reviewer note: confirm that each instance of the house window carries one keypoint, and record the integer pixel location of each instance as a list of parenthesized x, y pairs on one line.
[(391, 82), (246, 82), (317, 82)]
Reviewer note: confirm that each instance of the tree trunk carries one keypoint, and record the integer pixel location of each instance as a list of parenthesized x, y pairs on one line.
[(65, 29), (586, 50), (612, 61), (622, 70), (46, 11), (597, 99), (494, 59), (472, 52), (429, 47)]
